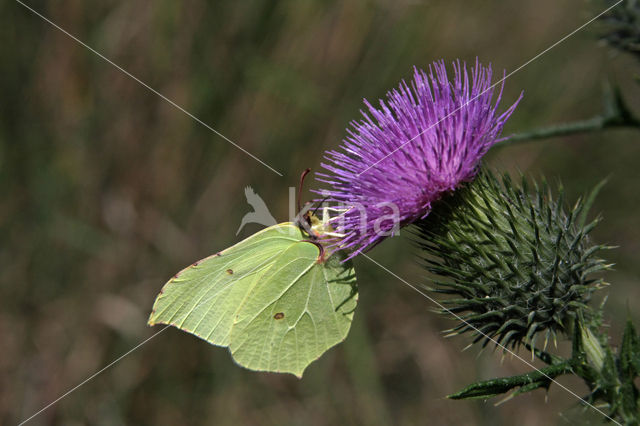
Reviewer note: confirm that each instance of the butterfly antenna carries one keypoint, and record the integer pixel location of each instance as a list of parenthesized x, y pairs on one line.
[(302, 176), (320, 204)]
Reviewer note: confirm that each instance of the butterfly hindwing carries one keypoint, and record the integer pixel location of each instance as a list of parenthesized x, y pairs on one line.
[(296, 313)]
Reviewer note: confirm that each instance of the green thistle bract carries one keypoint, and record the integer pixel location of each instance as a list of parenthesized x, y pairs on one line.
[(516, 264)]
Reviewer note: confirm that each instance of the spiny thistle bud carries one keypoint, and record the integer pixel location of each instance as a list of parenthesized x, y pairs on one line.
[(620, 27), (517, 264)]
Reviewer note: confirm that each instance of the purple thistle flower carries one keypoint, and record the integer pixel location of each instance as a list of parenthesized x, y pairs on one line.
[(425, 140)]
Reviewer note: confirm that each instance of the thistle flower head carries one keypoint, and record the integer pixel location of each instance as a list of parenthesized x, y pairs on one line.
[(515, 264), (423, 141)]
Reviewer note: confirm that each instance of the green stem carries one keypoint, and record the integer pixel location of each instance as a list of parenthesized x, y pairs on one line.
[(536, 379), (616, 115), (595, 124)]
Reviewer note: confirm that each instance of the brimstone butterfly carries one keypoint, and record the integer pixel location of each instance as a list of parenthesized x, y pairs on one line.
[(278, 299)]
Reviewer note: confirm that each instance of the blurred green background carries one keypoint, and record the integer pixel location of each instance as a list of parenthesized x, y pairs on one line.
[(107, 190)]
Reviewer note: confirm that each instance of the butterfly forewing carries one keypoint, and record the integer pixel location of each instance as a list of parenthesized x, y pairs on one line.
[(203, 298)]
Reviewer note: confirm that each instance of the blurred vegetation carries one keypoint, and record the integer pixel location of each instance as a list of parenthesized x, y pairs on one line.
[(107, 190), (621, 27)]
